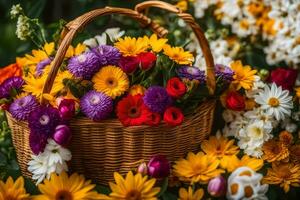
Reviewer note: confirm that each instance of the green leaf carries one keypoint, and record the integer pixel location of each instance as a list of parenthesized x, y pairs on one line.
[(103, 189), (163, 187), (3, 159), (168, 196)]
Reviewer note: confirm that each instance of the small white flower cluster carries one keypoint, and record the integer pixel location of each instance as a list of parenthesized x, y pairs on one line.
[(201, 6), (112, 33), (53, 159), (253, 127), (244, 183), (15, 11), (285, 44), (23, 27)]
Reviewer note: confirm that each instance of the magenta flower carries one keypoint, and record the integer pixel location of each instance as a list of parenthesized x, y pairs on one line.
[(217, 186), (66, 109), (62, 135), (159, 167)]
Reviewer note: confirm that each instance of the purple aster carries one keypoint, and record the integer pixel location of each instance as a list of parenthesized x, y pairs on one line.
[(191, 73), (41, 66), (84, 65), (44, 120), (21, 108), (157, 99), (96, 105), (224, 72), (107, 55), (10, 83), (37, 142)]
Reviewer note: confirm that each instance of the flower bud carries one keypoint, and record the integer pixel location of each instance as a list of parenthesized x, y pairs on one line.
[(143, 169), (66, 109), (159, 167), (62, 135), (217, 186)]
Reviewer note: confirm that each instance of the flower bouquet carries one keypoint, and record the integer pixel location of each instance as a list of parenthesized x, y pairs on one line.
[(113, 105)]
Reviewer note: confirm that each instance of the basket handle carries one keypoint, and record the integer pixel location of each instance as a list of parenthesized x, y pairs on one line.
[(71, 29), (210, 66)]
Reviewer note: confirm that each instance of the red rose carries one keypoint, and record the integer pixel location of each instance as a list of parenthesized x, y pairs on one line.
[(173, 116), (147, 60), (129, 64), (154, 119), (285, 78), (235, 101), (132, 111), (176, 88)]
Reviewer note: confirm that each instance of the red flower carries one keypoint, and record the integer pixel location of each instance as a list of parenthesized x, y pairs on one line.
[(173, 116), (285, 78), (129, 64), (235, 101), (154, 119), (147, 60), (176, 88), (132, 111), (10, 71)]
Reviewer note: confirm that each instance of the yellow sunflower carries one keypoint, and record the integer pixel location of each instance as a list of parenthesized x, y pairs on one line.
[(297, 92), (283, 174), (221, 148), (13, 190), (129, 46), (75, 51), (41, 54), (137, 89), (133, 187), (190, 195), (157, 44), (274, 151), (58, 84), (178, 55), (197, 168), (246, 161), (243, 75), (111, 80), (61, 186), (34, 85)]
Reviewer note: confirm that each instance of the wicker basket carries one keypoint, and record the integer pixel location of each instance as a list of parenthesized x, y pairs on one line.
[(100, 148)]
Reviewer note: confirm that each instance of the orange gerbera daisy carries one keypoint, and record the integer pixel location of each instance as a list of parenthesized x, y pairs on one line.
[(197, 168), (246, 161), (283, 174), (243, 75), (221, 148), (274, 151)]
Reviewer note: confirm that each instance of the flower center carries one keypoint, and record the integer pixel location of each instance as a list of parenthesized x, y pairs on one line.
[(274, 102), (248, 191), (256, 132), (111, 82), (64, 195), (234, 188), (44, 119), (133, 195), (94, 100), (174, 115), (81, 58), (10, 197), (134, 112)]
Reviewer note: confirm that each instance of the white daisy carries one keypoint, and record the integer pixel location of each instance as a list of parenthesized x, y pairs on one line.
[(53, 159), (275, 101)]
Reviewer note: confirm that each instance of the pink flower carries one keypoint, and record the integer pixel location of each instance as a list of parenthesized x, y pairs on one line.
[(217, 186), (66, 109), (283, 77), (159, 167), (62, 135)]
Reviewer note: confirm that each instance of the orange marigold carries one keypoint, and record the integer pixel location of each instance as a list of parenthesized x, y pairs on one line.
[(10, 71), (274, 151), (283, 174), (295, 154), (286, 138)]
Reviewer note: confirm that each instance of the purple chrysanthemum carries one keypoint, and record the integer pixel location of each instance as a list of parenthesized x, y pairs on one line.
[(157, 99), (107, 55), (21, 108), (224, 72), (44, 120), (96, 105), (191, 73), (84, 65), (41, 66), (15, 82), (37, 142)]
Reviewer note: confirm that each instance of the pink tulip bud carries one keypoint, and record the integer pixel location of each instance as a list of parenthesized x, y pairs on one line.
[(159, 167), (143, 169), (217, 186), (66, 109), (62, 135)]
